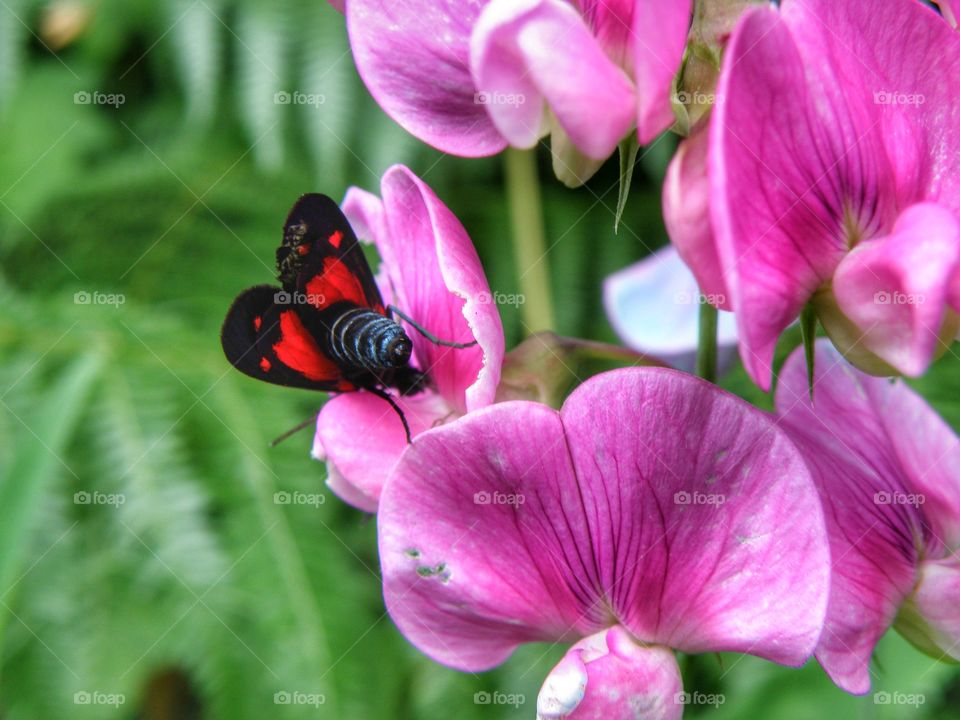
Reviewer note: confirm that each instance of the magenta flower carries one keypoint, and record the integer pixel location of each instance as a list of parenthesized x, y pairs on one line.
[(431, 271), (834, 177), (888, 471), (473, 76), (653, 512), (654, 307)]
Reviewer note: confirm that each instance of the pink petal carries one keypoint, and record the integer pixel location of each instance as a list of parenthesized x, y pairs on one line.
[(772, 172), (686, 213), (608, 676), (934, 613), (895, 288), (654, 306), (659, 38), (364, 210), (721, 557), (361, 438), (337, 4), (413, 57), (439, 282), (887, 468), (948, 11), (524, 53), (611, 22), (658, 502)]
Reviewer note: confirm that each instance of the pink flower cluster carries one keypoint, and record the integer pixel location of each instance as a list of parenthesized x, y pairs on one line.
[(655, 512)]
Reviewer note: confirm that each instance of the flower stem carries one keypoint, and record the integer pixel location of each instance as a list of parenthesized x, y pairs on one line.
[(707, 346), (529, 238)]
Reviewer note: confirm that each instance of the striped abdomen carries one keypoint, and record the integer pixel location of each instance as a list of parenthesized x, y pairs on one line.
[(362, 338)]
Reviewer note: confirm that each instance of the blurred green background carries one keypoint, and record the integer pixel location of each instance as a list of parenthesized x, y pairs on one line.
[(146, 570)]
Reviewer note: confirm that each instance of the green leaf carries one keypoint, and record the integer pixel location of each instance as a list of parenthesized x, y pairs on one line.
[(40, 448), (808, 326), (628, 158)]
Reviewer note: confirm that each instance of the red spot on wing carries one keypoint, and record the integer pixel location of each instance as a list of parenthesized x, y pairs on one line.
[(346, 386), (257, 322), (265, 364), (303, 249), (334, 284), (336, 238), (300, 352)]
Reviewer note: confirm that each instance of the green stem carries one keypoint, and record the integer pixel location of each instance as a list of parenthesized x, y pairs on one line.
[(529, 238), (707, 347)]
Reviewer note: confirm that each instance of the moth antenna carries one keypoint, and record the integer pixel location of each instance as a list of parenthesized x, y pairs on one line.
[(426, 333)]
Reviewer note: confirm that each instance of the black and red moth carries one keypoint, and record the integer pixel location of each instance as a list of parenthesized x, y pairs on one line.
[(326, 328)]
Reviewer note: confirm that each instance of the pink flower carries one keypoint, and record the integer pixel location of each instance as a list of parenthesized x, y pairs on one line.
[(431, 271), (654, 511), (888, 471), (654, 307), (834, 177), (473, 76)]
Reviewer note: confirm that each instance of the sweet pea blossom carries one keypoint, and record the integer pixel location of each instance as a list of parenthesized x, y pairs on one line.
[(654, 307), (473, 76), (653, 512), (430, 270), (888, 471), (831, 172)]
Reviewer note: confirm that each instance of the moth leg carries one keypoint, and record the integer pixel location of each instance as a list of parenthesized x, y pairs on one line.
[(386, 396)]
